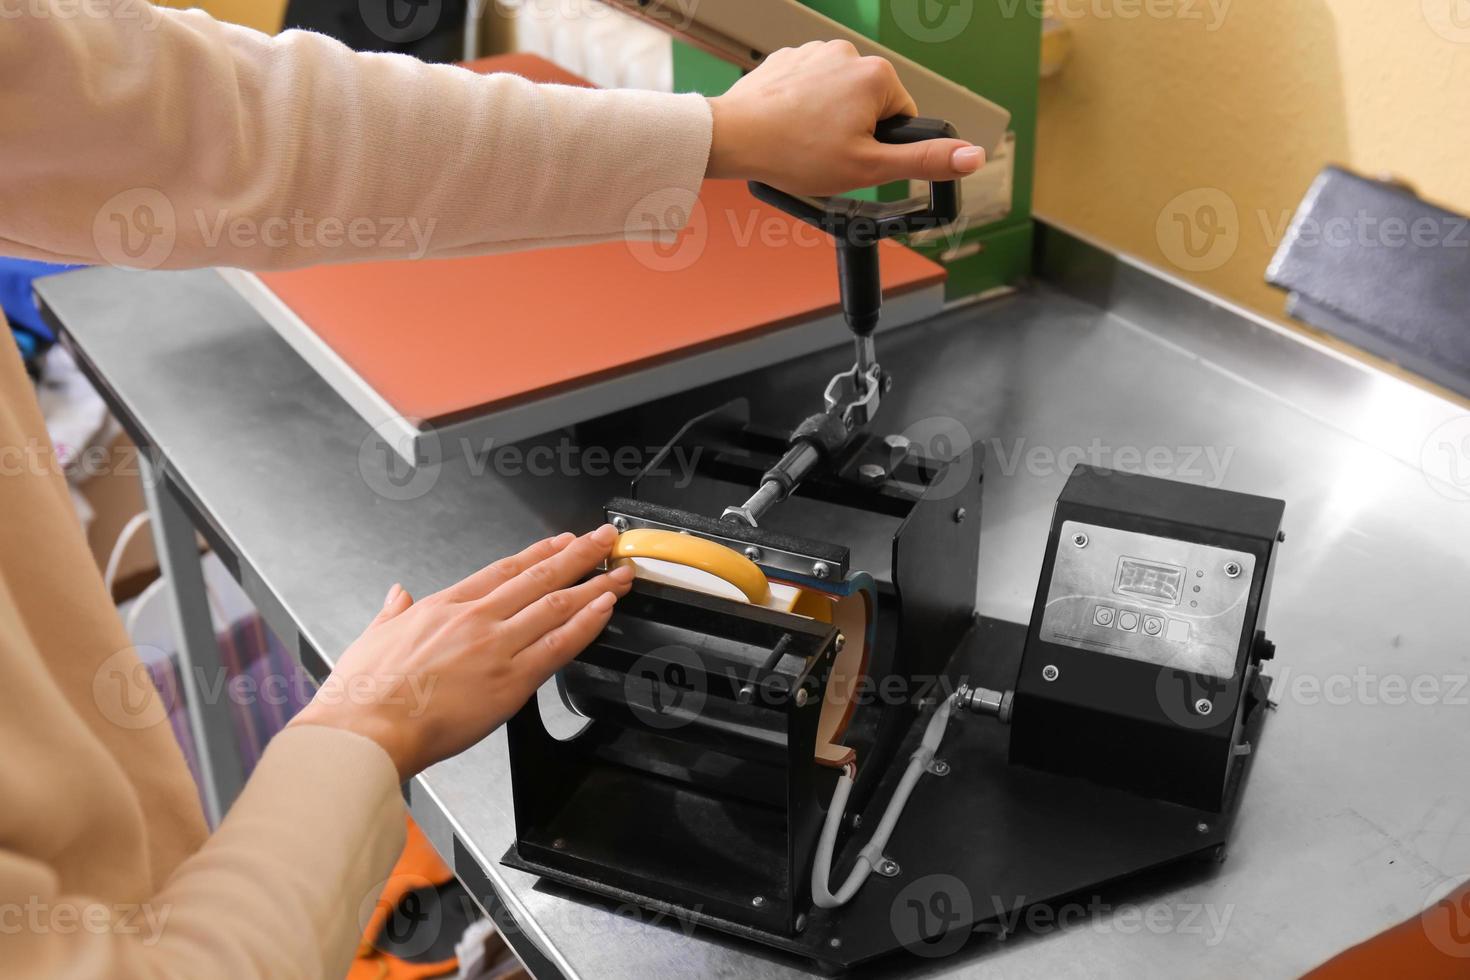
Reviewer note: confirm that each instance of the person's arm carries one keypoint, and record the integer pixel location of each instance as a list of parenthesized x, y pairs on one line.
[(140, 136), (281, 890), (287, 883), (264, 152)]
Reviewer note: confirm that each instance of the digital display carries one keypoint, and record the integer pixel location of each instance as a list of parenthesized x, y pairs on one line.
[(1151, 580)]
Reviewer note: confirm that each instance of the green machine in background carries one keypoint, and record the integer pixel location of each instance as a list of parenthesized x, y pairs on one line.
[(992, 47)]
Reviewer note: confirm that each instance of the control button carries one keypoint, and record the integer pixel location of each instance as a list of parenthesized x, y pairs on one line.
[(1178, 631), (1153, 625), (1103, 615), (1128, 621)]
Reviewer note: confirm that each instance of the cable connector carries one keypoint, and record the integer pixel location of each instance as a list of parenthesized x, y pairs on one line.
[(984, 701)]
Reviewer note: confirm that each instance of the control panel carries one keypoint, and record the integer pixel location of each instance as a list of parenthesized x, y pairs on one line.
[(1142, 660), (1148, 598)]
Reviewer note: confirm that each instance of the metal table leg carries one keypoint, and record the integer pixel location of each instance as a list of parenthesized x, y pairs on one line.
[(200, 666)]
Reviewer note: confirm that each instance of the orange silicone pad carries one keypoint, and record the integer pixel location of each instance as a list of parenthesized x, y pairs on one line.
[(447, 338)]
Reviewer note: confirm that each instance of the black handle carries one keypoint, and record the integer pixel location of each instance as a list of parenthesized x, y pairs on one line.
[(862, 222), (912, 129)]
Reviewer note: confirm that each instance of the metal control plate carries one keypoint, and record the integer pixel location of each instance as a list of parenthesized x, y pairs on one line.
[(1148, 598)]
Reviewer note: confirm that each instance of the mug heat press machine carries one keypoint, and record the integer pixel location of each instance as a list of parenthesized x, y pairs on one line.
[(776, 743)]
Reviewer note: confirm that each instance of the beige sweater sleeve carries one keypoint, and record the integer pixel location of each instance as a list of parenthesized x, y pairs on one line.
[(281, 890), (139, 136), (105, 869)]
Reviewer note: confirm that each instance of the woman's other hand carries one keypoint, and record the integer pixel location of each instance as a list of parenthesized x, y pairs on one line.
[(803, 121), (428, 679)]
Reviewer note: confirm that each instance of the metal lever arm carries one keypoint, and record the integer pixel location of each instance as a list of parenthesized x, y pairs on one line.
[(858, 227), (852, 397)]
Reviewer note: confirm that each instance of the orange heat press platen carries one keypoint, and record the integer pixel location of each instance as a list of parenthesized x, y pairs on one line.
[(438, 342)]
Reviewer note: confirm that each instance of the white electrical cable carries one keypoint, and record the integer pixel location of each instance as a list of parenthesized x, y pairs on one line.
[(124, 538), (473, 14), (872, 852)]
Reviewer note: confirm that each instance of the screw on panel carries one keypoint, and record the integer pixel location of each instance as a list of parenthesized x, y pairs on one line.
[(559, 844), (960, 515), (821, 570), (1203, 828), (872, 472), (834, 942), (801, 922), (939, 767), (620, 522), (1232, 569), (753, 553), (1050, 672), (759, 901), (888, 868), (1203, 706), (1079, 539)]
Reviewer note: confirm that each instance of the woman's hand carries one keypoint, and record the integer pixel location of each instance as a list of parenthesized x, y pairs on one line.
[(428, 679), (803, 121)]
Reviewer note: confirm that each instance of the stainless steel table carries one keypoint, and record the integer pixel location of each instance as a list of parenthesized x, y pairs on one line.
[(1358, 808)]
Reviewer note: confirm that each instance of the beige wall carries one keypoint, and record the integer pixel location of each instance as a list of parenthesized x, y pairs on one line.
[(263, 15), (1186, 131)]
